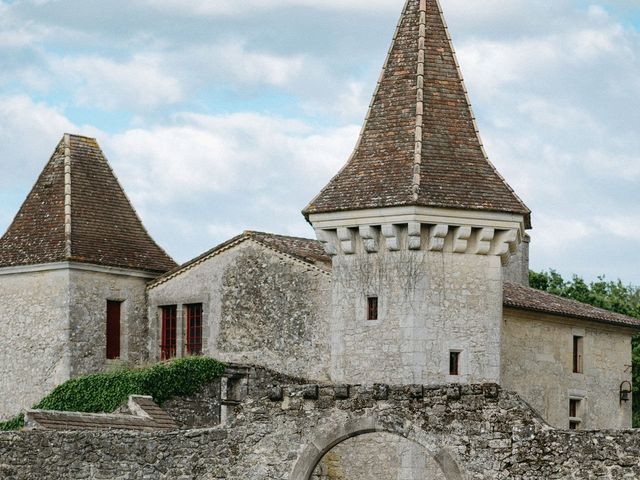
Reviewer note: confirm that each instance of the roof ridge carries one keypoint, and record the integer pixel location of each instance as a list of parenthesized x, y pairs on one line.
[(473, 116), (67, 195), (126, 196), (417, 161)]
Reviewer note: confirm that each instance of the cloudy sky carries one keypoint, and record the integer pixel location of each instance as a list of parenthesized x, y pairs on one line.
[(225, 115)]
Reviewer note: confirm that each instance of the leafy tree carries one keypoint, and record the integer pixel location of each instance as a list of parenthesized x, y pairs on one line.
[(603, 293)]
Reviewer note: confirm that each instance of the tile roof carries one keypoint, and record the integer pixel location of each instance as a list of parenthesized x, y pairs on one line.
[(419, 145), (148, 417), (527, 298), (302, 249), (77, 211)]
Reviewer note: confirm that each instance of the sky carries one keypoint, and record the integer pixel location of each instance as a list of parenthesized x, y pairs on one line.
[(220, 116)]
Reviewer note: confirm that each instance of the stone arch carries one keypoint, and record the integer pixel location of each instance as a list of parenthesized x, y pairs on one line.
[(321, 444)]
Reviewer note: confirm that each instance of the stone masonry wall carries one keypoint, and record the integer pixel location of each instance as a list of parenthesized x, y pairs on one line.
[(34, 333), (538, 364), (260, 307), (89, 292), (517, 270), (472, 432), (430, 303)]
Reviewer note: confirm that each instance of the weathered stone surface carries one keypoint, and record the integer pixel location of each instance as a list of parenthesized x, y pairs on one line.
[(474, 436), (260, 307)]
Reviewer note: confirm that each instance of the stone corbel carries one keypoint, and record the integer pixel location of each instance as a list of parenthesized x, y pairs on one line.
[(504, 244), (347, 239), (480, 243), (325, 238), (437, 235), (370, 237), (391, 233), (461, 237), (414, 232)]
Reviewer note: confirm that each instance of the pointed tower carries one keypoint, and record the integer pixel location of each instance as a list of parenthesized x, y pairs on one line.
[(74, 264), (419, 224)]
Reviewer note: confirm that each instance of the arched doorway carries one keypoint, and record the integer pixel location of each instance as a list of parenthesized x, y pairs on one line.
[(377, 456), (366, 447)]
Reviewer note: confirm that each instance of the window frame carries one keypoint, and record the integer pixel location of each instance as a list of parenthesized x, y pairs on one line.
[(168, 332), (113, 339), (373, 308), (578, 354), (194, 320)]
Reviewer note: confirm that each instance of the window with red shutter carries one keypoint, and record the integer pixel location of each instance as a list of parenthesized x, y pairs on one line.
[(194, 328), (169, 324), (113, 329)]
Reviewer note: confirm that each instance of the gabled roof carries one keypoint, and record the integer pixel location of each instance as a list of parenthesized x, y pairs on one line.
[(300, 249), (77, 211), (419, 145), (527, 298)]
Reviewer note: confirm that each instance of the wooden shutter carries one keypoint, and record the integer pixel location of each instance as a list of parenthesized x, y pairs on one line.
[(113, 329)]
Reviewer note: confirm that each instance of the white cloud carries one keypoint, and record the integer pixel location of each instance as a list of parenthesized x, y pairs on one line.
[(105, 83), (233, 59), (235, 7), (625, 226), (29, 131), (218, 155)]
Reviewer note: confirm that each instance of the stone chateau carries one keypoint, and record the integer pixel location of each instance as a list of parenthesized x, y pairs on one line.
[(418, 276)]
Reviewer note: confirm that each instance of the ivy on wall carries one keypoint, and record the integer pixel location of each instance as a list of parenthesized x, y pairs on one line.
[(105, 392)]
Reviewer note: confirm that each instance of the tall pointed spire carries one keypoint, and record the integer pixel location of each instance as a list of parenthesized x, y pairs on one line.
[(77, 211), (419, 145)]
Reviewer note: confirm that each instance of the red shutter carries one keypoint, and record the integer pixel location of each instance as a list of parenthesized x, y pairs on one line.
[(194, 329), (113, 330), (169, 322)]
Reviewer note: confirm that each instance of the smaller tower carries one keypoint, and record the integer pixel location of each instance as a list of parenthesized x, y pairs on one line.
[(419, 224), (74, 264)]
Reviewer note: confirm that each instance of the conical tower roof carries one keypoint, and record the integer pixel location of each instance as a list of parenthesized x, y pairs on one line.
[(419, 145), (77, 211)]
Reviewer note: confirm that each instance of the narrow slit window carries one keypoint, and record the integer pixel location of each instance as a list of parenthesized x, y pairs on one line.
[(114, 311), (372, 308), (578, 343), (194, 329), (574, 413), (169, 323), (454, 363)]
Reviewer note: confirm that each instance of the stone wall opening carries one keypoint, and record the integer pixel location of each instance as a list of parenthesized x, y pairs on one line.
[(378, 456), (365, 449)]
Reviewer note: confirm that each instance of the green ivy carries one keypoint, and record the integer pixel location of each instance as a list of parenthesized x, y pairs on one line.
[(105, 392)]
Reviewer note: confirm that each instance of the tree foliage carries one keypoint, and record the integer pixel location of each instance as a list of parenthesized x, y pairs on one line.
[(603, 293)]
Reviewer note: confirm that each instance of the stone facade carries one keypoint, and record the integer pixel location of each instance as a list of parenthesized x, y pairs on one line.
[(259, 307), (537, 353), (34, 338), (89, 292), (282, 432), (430, 303), (58, 330)]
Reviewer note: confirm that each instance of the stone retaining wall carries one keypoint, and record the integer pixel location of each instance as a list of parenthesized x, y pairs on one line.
[(472, 432)]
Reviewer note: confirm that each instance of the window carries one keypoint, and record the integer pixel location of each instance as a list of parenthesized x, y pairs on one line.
[(169, 323), (194, 328), (577, 354), (574, 413), (113, 329), (372, 308), (454, 363)]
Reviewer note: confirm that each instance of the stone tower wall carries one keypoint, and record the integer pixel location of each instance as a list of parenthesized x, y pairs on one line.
[(89, 293), (34, 337)]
